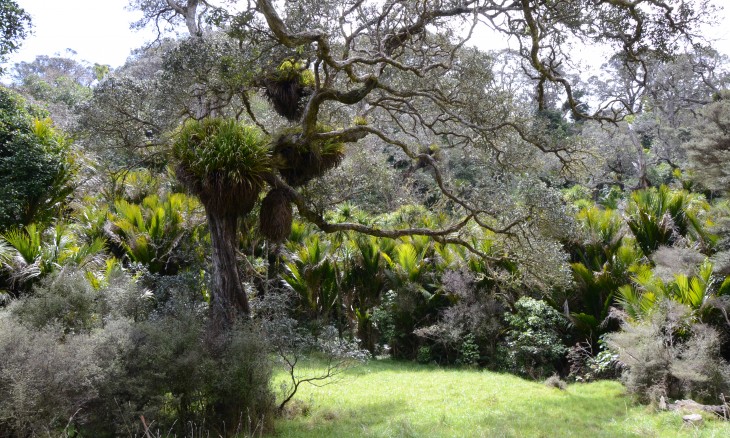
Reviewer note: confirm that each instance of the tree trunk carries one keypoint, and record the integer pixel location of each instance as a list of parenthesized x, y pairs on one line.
[(227, 299), (640, 163)]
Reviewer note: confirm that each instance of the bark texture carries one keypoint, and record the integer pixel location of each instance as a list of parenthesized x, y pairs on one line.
[(228, 300)]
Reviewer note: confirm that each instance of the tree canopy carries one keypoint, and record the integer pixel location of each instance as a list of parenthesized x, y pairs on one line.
[(15, 24), (35, 164)]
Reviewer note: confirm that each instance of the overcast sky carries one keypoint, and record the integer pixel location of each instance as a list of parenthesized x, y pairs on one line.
[(98, 30)]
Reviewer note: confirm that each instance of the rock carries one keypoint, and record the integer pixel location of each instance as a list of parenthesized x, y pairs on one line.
[(692, 418), (693, 406)]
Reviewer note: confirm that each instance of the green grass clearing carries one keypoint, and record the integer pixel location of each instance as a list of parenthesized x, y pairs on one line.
[(393, 399)]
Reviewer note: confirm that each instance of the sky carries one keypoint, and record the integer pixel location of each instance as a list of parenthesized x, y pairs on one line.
[(98, 30)]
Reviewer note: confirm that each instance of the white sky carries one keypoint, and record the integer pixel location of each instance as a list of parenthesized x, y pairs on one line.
[(98, 30)]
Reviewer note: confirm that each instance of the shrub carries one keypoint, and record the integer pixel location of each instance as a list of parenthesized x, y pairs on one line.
[(534, 344), (291, 342), (70, 351), (66, 299), (424, 354), (36, 169), (469, 352), (585, 366), (468, 330), (45, 382), (670, 355), (239, 393), (175, 374), (556, 382)]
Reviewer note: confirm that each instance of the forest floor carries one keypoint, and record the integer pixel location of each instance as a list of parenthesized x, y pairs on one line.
[(384, 398)]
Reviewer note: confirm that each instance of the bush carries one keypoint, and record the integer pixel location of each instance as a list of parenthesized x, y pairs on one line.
[(66, 300), (670, 355), (424, 354), (468, 330), (556, 382), (176, 374), (469, 352), (70, 352), (534, 344), (291, 343), (46, 383), (36, 170), (585, 366)]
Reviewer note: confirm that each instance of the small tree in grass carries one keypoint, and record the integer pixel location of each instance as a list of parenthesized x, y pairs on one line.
[(223, 163)]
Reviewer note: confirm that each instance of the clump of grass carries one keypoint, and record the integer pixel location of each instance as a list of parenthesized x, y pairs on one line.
[(300, 161), (222, 162), (297, 408), (556, 382)]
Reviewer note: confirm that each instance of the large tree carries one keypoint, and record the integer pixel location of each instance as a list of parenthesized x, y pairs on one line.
[(391, 75)]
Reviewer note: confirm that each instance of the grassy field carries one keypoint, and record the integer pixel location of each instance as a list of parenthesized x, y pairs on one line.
[(392, 399)]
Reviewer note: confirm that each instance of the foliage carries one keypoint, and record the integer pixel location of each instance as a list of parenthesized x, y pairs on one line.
[(168, 375), (534, 342), (64, 300), (128, 359), (293, 343), (469, 330), (708, 148), (31, 252), (695, 292), (299, 160), (221, 153), (286, 87), (58, 84), (313, 275), (469, 351), (15, 23), (587, 365), (36, 166), (159, 234), (658, 217), (670, 354), (602, 260), (47, 384), (473, 221)]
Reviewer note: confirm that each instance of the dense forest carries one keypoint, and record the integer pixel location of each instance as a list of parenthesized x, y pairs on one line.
[(348, 180)]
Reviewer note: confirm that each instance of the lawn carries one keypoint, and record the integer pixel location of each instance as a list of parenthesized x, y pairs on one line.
[(392, 399)]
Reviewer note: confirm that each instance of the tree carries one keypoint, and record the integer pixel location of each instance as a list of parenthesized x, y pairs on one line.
[(399, 74), (60, 84), (14, 26), (662, 96), (36, 170), (223, 163), (709, 149)]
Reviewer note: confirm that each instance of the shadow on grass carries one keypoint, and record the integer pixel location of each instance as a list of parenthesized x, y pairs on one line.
[(566, 414), (393, 399), (341, 421)]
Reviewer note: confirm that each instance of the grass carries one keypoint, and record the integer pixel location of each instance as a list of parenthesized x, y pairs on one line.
[(393, 399)]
